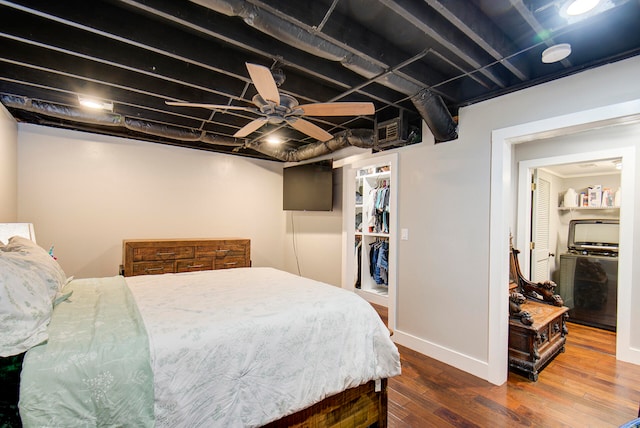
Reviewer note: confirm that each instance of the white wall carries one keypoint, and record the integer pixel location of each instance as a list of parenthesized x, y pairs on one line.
[(85, 193), (8, 167), (313, 242), (445, 296)]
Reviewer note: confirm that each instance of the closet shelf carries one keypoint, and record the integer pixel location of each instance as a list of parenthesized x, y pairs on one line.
[(587, 208), (376, 175), (375, 234), (379, 290)]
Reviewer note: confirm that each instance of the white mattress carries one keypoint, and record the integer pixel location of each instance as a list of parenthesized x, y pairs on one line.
[(243, 347)]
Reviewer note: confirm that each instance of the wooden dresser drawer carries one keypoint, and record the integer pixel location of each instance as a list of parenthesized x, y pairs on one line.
[(162, 253), (222, 249), (194, 265), (149, 256), (153, 268), (231, 262)]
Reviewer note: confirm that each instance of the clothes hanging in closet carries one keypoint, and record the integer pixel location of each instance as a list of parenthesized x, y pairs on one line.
[(378, 208), (379, 261), (358, 279)]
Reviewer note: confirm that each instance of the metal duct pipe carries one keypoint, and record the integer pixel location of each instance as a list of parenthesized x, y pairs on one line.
[(435, 114), (220, 140), (357, 137), (299, 37), (62, 112), (363, 138), (173, 132), (113, 119)]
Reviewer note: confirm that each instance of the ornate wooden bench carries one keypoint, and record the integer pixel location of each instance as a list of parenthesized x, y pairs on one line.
[(537, 322)]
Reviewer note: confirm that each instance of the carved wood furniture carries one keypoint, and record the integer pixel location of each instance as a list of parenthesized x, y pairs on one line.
[(537, 322), (151, 256)]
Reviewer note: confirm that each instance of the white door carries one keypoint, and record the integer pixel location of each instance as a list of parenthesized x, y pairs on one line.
[(540, 213)]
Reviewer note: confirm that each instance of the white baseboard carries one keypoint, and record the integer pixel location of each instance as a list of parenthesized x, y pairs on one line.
[(455, 359)]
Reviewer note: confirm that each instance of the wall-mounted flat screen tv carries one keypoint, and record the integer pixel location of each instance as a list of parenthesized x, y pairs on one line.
[(308, 187)]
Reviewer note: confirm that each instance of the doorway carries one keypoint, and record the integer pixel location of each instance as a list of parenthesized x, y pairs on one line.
[(591, 272), (505, 215)]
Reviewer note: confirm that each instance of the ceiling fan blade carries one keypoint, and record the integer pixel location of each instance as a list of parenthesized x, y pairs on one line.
[(310, 129), (264, 82), (250, 127), (210, 106), (338, 109)]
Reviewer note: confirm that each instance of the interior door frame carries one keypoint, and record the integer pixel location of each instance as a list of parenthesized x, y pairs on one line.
[(350, 166), (502, 214)]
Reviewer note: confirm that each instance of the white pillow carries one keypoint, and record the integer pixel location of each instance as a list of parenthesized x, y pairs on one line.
[(40, 260), (25, 303)]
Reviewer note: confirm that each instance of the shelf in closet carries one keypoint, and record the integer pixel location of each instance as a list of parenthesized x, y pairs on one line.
[(587, 208), (375, 175), (379, 290)]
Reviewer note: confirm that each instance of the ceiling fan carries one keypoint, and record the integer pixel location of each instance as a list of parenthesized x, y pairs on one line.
[(276, 108)]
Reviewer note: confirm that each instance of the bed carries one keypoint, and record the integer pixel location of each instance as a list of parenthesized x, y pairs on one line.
[(230, 348)]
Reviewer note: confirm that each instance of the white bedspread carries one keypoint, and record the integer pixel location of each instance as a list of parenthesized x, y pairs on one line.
[(243, 347)]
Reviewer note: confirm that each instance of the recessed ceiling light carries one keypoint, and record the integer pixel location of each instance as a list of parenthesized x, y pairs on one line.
[(95, 103), (578, 7), (556, 53)]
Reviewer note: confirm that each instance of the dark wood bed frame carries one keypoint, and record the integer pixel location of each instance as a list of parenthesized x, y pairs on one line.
[(361, 406), (10, 368)]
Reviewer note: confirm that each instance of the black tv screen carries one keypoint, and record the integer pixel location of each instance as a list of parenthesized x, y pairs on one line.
[(308, 187)]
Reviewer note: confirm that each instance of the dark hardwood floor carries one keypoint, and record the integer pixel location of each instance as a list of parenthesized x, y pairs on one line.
[(583, 387)]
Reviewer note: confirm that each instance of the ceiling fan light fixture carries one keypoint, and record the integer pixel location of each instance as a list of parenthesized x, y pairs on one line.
[(556, 53), (276, 108), (95, 103), (273, 139), (579, 7)]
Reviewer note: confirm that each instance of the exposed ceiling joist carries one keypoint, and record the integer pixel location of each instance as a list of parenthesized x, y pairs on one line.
[(441, 54)]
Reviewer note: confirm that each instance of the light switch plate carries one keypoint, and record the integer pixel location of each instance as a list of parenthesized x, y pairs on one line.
[(404, 234)]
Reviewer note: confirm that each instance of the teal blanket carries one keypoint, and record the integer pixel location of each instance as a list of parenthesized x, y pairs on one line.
[(95, 370)]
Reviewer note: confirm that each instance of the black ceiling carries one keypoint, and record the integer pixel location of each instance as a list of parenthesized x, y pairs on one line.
[(139, 54)]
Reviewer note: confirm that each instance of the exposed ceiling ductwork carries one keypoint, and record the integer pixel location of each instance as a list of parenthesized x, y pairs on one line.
[(100, 118), (414, 61), (363, 138), (429, 105)]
